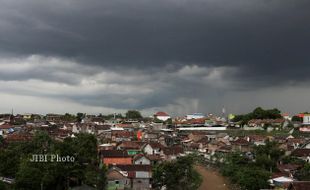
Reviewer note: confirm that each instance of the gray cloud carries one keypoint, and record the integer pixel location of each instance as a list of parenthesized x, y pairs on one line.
[(145, 54)]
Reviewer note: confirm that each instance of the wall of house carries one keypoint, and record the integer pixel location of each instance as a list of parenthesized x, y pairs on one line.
[(143, 174), (149, 150), (141, 184), (143, 161), (163, 118)]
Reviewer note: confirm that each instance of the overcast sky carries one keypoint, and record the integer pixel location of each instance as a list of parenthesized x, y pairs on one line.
[(178, 56)]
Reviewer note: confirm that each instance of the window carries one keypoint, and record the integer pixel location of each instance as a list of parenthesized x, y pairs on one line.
[(116, 182)]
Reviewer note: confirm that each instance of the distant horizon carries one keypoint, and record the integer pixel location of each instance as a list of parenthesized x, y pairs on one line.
[(143, 114)]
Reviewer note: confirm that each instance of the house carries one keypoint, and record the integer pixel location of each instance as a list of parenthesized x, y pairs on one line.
[(18, 137), (150, 136), (121, 135), (152, 148), (214, 145), (132, 147), (195, 116), (158, 126), (99, 129), (163, 116), (6, 129), (154, 159), (299, 185), (196, 136), (281, 182), (256, 139), (55, 118), (294, 143), (139, 175), (288, 169), (141, 159), (117, 179), (115, 157), (306, 145), (303, 154), (306, 119), (171, 153), (240, 145)]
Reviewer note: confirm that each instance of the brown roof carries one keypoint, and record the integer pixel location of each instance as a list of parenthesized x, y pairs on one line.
[(6, 126), (299, 185), (103, 127), (113, 153), (301, 152), (122, 134), (241, 142), (257, 138), (131, 145), (173, 150), (18, 137), (288, 167), (153, 157), (156, 145), (135, 167)]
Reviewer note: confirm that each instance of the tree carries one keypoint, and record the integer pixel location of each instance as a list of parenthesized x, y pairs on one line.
[(258, 113), (243, 172), (133, 114), (179, 175), (15, 162), (80, 116), (2, 186), (304, 173), (252, 178), (102, 177), (268, 155), (297, 118), (68, 117)]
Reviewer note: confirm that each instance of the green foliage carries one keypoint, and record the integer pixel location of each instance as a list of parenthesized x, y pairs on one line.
[(251, 175), (267, 156), (292, 160), (111, 116), (69, 117), (133, 114), (80, 116), (304, 173), (102, 181), (179, 175), (296, 118), (15, 162), (3, 186), (258, 113), (156, 120)]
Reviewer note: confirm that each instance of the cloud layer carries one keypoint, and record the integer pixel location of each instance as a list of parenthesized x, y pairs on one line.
[(178, 55)]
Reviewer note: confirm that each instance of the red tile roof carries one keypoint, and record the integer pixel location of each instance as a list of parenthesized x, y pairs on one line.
[(161, 114), (6, 126)]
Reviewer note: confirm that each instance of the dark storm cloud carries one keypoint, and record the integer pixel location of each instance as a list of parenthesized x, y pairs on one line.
[(142, 54), (268, 40)]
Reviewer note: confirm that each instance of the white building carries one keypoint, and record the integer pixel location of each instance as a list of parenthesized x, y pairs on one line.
[(195, 116), (306, 119), (163, 116)]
